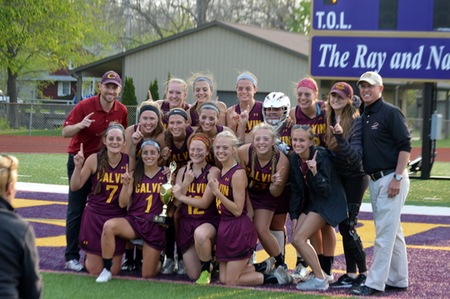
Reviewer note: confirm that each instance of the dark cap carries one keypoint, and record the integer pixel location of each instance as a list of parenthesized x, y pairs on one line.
[(343, 89), (112, 77)]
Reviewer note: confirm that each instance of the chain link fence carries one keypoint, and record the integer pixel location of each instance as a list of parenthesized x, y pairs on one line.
[(40, 118)]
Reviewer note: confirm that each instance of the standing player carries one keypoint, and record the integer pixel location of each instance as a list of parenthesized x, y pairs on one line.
[(242, 117), (176, 95), (85, 125)]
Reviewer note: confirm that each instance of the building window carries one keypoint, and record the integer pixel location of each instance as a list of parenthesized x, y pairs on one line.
[(63, 88)]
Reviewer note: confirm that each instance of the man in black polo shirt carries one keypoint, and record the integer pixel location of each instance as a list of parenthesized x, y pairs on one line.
[(386, 150)]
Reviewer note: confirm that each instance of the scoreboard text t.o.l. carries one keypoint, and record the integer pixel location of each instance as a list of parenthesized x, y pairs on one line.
[(401, 15)]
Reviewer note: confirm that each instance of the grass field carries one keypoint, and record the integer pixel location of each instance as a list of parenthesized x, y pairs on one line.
[(84, 286)]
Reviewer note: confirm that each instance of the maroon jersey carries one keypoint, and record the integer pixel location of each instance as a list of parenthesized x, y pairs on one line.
[(144, 206), (318, 123), (194, 115), (236, 236), (255, 116), (259, 182), (101, 207), (191, 217), (165, 108), (181, 155)]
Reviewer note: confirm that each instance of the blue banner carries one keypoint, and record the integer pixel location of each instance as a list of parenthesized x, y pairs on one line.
[(425, 59)]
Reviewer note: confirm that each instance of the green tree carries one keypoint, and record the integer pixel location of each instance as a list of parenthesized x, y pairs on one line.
[(43, 36), (129, 93), (301, 22), (154, 90)]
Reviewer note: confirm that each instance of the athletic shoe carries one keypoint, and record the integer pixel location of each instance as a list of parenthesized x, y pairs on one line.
[(364, 291), (282, 275), (314, 284), (344, 281), (181, 269), (360, 280), (105, 276), (300, 272), (330, 278), (128, 265), (73, 265), (270, 265), (168, 267), (205, 278)]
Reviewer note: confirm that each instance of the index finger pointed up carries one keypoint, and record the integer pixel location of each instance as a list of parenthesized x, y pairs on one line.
[(81, 149), (314, 157), (150, 96), (126, 168), (338, 119)]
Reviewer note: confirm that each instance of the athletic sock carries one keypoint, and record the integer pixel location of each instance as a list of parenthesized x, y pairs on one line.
[(260, 267), (107, 263), (327, 264), (279, 260), (206, 266)]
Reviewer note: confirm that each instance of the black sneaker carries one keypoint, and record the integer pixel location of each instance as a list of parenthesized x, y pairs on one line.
[(128, 265), (360, 280), (344, 281)]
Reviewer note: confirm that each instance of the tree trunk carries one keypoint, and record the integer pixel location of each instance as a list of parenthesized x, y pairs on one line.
[(11, 89)]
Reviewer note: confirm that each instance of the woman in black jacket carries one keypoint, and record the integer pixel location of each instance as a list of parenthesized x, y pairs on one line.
[(317, 199)]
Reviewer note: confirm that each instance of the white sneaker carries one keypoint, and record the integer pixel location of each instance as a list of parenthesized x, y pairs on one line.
[(73, 265), (301, 272), (105, 276), (168, 267), (181, 270), (270, 265), (315, 284), (330, 278), (282, 275)]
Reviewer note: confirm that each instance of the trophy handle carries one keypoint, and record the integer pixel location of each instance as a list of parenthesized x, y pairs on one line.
[(172, 168)]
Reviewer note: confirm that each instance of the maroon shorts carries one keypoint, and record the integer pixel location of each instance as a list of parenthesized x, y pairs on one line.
[(284, 202), (236, 239), (263, 201), (151, 233), (186, 229), (91, 233)]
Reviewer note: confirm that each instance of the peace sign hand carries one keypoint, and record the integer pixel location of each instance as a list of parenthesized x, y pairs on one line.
[(337, 129), (312, 164), (79, 157)]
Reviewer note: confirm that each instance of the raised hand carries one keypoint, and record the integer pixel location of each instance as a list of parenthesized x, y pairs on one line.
[(312, 164), (150, 96), (165, 153), (87, 121), (176, 190), (337, 129), (243, 117), (189, 174), (214, 185), (137, 136), (127, 178), (277, 178), (78, 160)]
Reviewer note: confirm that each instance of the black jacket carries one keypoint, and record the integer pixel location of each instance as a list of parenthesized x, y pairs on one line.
[(324, 190), (19, 265)]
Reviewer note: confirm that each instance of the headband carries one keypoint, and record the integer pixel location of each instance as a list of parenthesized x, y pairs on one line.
[(199, 79), (177, 111), (201, 137), (149, 108), (308, 83), (151, 142), (248, 77), (210, 106)]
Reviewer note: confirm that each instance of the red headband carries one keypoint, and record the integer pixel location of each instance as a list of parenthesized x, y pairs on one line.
[(308, 83), (203, 138)]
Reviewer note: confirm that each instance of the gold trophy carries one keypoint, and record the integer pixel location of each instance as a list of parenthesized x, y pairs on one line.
[(166, 195)]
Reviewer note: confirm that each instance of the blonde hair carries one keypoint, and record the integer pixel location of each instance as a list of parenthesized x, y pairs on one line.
[(184, 85), (234, 141), (8, 171)]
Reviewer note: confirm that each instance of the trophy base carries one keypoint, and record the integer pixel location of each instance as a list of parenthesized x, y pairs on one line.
[(160, 219)]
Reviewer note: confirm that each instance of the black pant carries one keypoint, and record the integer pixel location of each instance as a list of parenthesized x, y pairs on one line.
[(75, 208), (354, 187)]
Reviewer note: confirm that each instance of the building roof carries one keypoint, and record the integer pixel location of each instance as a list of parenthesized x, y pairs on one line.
[(295, 43)]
